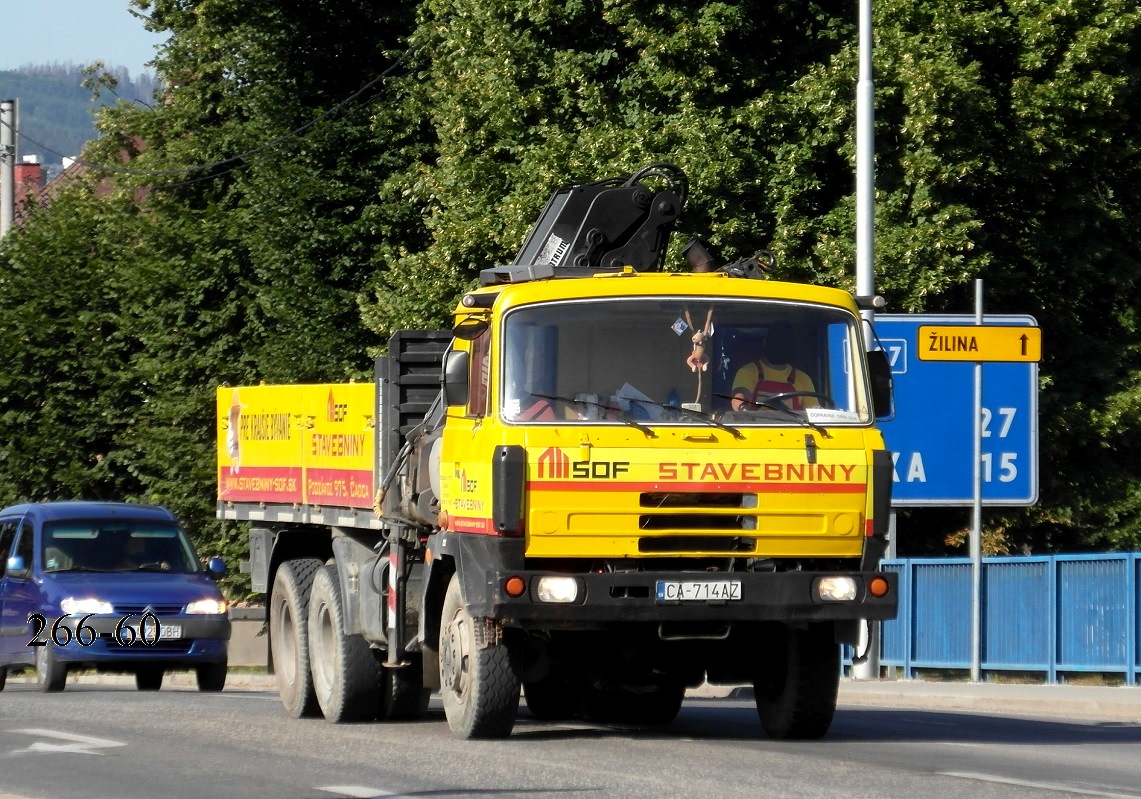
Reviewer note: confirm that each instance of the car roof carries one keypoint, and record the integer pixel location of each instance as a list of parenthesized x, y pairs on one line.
[(88, 510)]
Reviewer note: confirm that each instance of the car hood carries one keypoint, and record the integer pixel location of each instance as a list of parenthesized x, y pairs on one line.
[(131, 588)]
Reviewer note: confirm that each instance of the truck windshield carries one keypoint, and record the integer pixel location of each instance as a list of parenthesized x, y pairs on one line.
[(756, 362), (117, 545)]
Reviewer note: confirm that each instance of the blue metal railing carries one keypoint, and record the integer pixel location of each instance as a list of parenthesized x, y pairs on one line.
[(1055, 614)]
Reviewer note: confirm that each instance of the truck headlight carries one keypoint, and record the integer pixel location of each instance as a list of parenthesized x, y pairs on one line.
[(557, 589), (207, 607), (85, 605), (836, 589)]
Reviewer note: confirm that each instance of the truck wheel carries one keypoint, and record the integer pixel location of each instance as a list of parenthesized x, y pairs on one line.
[(403, 696), (652, 705), (148, 678), (3, 677), (551, 699), (346, 677), (796, 691), (51, 675), (211, 676), (289, 635), (479, 686)]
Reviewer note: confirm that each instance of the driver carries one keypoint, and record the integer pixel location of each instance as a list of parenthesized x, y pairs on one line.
[(772, 374), (132, 554)]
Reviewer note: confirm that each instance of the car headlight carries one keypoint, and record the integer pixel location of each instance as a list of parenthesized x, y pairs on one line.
[(84, 606), (207, 607)]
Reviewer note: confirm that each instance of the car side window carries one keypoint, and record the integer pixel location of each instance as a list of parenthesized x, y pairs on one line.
[(7, 536), (24, 548)]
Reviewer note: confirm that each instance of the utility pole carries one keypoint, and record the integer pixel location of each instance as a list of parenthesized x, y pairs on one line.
[(7, 165), (865, 255)]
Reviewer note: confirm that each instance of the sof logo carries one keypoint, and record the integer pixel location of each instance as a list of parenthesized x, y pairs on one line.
[(336, 411), (554, 464)]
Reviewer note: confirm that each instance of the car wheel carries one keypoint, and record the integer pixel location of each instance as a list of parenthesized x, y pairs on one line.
[(3, 678), (148, 678), (212, 676), (51, 675)]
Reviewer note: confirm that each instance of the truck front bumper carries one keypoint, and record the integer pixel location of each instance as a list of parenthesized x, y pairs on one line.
[(498, 583), (644, 596)]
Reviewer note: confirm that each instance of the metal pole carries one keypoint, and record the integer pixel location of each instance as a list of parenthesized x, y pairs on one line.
[(7, 165), (865, 256), (977, 509), (865, 163)]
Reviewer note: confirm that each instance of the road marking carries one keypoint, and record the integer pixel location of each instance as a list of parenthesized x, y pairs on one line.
[(80, 744), (357, 791), (1043, 786)]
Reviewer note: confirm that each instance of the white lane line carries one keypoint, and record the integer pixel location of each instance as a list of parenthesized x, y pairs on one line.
[(357, 791), (1042, 786), (82, 744)]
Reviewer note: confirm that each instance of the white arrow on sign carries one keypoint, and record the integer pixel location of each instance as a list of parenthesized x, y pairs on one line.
[(80, 744)]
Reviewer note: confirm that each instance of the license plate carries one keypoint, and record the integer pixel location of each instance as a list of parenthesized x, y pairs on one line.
[(698, 590), (166, 632)]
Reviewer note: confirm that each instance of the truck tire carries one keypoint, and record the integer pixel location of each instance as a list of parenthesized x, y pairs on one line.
[(347, 678), (51, 675), (479, 687), (796, 691), (289, 635), (655, 705), (403, 695)]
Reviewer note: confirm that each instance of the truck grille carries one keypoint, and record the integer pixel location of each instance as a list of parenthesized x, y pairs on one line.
[(694, 499), (702, 543)]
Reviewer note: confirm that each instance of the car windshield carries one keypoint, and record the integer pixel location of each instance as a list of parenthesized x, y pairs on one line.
[(756, 362), (107, 545)]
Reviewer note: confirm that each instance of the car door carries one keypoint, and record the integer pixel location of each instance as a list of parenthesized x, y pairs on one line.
[(8, 529), (20, 595)]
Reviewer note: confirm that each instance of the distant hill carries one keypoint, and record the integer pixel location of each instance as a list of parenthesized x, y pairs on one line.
[(57, 113)]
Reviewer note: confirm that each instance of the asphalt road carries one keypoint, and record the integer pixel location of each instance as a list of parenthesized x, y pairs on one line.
[(103, 739)]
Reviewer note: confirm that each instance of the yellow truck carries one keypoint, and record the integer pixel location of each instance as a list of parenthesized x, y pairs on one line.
[(607, 484)]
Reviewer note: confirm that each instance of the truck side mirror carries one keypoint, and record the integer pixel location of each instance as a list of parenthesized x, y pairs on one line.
[(456, 389), (879, 369)]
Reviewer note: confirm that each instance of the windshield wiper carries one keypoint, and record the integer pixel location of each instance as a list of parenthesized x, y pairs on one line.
[(777, 406), (612, 412), (701, 416)]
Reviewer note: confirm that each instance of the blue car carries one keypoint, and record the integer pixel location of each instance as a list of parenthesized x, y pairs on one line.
[(113, 586)]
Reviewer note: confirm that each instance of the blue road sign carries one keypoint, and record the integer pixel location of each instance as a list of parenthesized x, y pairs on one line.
[(931, 435)]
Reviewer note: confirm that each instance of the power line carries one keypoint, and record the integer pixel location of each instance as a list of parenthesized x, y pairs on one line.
[(234, 159)]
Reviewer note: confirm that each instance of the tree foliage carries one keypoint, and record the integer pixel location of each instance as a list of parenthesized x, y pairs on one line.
[(315, 176)]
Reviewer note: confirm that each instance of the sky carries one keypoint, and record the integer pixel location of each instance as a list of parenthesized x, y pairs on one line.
[(76, 31)]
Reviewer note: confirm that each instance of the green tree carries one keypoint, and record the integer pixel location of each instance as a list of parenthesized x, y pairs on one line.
[(314, 177), (66, 393)]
